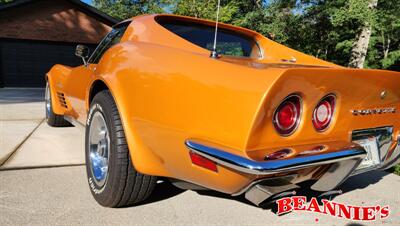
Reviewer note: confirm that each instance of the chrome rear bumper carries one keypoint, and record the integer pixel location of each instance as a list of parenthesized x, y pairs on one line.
[(249, 166), (393, 158), (388, 147), (342, 162)]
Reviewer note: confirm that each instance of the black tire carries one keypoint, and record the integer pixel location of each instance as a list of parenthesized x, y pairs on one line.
[(123, 185), (52, 118)]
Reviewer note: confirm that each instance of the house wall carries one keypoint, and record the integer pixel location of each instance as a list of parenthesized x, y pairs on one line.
[(51, 20)]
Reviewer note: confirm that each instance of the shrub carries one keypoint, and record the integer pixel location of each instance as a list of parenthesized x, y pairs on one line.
[(397, 170)]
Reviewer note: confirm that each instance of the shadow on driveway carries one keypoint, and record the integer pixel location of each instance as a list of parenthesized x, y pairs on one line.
[(21, 95), (166, 190)]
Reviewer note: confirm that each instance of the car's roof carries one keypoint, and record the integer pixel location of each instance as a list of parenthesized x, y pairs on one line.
[(153, 18), (145, 28)]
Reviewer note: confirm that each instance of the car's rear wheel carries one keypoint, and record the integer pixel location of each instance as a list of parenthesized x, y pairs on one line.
[(112, 178), (52, 118)]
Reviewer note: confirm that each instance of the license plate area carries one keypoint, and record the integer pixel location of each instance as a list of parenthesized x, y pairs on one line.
[(376, 142), (372, 159)]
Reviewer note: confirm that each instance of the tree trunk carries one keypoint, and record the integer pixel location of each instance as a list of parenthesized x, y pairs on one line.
[(360, 46), (387, 48)]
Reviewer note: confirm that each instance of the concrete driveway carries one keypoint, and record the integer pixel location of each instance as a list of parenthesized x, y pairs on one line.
[(35, 189), (26, 140)]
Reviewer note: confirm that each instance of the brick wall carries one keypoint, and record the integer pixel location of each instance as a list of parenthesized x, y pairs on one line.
[(51, 20)]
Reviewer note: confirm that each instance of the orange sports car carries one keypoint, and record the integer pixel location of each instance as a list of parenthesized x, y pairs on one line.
[(254, 118)]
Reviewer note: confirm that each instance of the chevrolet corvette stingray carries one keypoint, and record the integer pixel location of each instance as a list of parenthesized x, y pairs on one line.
[(257, 118)]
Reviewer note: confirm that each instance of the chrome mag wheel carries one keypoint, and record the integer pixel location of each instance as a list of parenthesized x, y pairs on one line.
[(47, 98), (99, 149)]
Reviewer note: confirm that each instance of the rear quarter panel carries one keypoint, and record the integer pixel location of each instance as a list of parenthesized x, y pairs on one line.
[(167, 95)]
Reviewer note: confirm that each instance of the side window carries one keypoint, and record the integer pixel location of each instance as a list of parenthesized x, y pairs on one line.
[(111, 39)]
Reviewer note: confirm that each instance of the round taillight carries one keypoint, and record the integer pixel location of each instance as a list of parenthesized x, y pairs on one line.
[(323, 113), (287, 115)]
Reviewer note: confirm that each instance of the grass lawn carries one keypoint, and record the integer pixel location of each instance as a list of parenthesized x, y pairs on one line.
[(397, 170)]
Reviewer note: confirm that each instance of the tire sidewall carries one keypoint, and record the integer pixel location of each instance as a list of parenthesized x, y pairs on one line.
[(124, 186), (100, 193)]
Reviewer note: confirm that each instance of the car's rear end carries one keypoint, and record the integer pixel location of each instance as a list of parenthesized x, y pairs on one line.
[(322, 124), (259, 121)]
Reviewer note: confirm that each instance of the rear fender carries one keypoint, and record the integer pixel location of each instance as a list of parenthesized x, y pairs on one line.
[(163, 102), (144, 160)]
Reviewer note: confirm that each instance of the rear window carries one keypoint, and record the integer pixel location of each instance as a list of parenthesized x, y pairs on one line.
[(228, 42)]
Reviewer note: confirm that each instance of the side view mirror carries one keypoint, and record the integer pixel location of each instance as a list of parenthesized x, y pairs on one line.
[(82, 51)]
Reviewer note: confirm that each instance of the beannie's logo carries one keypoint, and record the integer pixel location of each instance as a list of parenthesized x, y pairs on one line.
[(357, 213)]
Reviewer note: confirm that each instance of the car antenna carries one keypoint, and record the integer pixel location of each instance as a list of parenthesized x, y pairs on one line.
[(214, 53)]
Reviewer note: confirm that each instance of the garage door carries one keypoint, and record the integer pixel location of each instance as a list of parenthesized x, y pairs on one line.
[(24, 63)]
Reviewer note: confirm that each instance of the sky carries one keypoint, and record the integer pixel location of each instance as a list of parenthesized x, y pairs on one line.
[(87, 1), (90, 1)]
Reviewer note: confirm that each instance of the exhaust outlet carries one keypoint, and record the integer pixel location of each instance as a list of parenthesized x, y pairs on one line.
[(275, 188)]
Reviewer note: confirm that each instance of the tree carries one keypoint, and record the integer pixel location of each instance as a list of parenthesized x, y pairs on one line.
[(360, 46), (273, 20), (356, 33), (386, 39), (123, 9), (230, 9)]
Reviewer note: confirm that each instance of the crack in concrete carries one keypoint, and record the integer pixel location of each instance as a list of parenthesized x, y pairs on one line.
[(20, 144), (18, 120), (43, 167)]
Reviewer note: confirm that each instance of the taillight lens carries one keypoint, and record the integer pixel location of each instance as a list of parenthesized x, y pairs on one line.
[(287, 115), (323, 113)]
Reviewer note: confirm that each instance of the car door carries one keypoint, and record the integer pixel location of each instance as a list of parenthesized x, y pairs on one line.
[(82, 76)]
